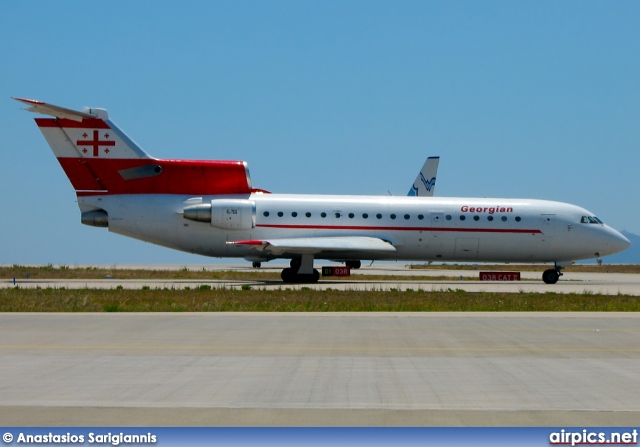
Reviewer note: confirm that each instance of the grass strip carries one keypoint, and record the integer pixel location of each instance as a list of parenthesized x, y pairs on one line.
[(205, 299), (66, 272)]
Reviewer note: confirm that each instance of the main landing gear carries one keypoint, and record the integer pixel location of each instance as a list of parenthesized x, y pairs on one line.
[(551, 276), (301, 271), (353, 264)]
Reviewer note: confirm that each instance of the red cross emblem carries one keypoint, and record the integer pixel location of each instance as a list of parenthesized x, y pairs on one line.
[(96, 143)]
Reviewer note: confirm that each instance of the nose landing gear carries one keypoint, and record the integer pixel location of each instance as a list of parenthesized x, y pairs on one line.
[(551, 276)]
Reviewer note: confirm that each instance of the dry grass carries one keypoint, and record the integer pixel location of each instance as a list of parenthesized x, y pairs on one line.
[(66, 272), (205, 299)]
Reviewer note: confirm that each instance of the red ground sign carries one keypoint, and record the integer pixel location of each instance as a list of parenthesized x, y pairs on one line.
[(336, 271), (499, 276)]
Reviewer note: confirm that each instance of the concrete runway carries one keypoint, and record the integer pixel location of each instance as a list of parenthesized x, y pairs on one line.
[(320, 369)]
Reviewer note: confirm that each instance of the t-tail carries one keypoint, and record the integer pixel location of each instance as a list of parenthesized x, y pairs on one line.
[(99, 158), (425, 183)]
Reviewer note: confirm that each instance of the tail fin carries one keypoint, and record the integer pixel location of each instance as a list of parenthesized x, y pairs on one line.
[(99, 158), (425, 183)]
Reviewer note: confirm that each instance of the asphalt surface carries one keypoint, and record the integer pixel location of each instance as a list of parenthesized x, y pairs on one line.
[(320, 369)]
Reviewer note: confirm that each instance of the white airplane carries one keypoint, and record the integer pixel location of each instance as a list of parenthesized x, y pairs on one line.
[(211, 208), (425, 183), (420, 187)]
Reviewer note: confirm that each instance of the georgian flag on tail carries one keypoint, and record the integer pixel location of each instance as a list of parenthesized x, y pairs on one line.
[(83, 134), (99, 158)]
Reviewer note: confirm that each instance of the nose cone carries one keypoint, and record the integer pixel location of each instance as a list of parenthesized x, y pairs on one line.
[(614, 242)]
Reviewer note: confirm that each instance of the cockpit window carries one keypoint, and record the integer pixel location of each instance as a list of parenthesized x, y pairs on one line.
[(591, 220)]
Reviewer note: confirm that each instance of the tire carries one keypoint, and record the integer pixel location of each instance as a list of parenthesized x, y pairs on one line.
[(290, 275), (353, 264), (550, 276), (256, 264)]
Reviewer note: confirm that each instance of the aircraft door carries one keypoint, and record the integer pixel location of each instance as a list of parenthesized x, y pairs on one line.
[(548, 233), (436, 239)]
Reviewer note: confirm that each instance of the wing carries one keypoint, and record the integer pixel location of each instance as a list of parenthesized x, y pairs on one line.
[(318, 245)]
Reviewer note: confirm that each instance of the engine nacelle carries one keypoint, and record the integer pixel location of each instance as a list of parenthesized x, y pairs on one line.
[(226, 214), (95, 218), (198, 213)]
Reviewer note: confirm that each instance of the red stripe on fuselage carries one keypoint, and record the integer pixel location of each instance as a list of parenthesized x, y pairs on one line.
[(383, 228)]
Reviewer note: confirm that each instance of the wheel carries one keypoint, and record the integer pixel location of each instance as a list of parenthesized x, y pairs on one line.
[(353, 264), (289, 275), (550, 276), (256, 264)]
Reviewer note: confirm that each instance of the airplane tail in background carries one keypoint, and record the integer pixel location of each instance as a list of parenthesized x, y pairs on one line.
[(425, 183), (99, 158)]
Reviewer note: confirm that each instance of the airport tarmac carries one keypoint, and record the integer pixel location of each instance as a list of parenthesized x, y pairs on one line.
[(570, 282), (320, 369)]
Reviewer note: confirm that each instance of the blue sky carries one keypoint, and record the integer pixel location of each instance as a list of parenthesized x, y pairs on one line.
[(535, 99)]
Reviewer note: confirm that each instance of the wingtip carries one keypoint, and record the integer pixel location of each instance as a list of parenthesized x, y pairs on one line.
[(27, 101)]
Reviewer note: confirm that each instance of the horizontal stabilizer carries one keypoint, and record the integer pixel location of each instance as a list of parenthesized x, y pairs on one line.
[(61, 112), (315, 245)]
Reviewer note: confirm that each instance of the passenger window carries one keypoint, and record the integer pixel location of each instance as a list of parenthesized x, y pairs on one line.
[(448, 217), (351, 215), (406, 216), (393, 216), (280, 214), (462, 217), (266, 214), (490, 218), (518, 219), (365, 216), (420, 217), (504, 218), (308, 214), (379, 216), (294, 214), (338, 215), (323, 215), (476, 218)]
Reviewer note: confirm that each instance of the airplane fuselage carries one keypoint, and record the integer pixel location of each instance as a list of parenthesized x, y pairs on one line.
[(427, 229)]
